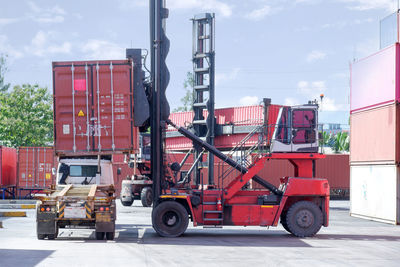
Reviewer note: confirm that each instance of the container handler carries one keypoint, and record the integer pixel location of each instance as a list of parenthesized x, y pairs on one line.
[(83, 197), (301, 202)]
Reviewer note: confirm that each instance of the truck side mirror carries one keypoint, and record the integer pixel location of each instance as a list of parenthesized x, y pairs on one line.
[(119, 171), (53, 171)]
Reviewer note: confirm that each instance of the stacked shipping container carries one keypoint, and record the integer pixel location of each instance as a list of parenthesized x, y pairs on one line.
[(374, 143), (8, 169)]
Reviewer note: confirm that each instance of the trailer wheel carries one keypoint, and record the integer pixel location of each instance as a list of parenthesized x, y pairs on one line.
[(170, 219), (100, 235), (304, 219), (110, 235), (40, 236), (146, 196), (51, 237), (127, 203)]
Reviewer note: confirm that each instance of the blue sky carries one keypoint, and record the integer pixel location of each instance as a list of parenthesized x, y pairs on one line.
[(290, 51)]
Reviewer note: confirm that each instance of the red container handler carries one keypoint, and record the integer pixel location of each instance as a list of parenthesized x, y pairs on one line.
[(93, 107), (8, 165), (35, 169)]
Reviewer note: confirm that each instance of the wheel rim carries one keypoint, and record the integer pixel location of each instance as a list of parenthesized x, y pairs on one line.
[(304, 218), (170, 218)]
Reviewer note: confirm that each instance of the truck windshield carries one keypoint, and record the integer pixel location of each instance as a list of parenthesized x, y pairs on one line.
[(83, 171)]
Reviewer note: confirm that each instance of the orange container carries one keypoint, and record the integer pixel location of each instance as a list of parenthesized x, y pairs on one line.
[(374, 135)]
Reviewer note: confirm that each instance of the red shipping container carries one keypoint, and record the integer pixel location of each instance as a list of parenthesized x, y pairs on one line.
[(93, 107), (35, 167), (8, 165), (374, 135), (375, 79), (238, 116)]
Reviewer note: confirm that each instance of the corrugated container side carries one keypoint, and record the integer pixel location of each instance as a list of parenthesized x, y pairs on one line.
[(375, 79), (93, 107), (249, 115), (374, 135), (374, 193), (35, 167), (125, 171), (335, 168), (8, 166)]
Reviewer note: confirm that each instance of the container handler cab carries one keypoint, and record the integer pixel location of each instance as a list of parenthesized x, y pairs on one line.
[(83, 198), (301, 202)]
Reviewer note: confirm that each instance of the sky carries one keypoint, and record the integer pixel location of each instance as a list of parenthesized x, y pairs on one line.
[(289, 51)]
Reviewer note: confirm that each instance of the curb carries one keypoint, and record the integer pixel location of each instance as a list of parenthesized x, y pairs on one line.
[(13, 214), (17, 206)]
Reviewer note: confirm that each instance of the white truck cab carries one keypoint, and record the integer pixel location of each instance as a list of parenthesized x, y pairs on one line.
[(84, 171)]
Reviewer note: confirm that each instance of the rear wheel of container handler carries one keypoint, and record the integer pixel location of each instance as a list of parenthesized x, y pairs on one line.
[(304, 219), (146, 196), (40, 236), (110, 235), (100, 235), (170, 219), (127, 203)]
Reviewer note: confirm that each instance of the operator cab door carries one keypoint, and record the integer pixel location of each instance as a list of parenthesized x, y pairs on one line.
[(296, 130)]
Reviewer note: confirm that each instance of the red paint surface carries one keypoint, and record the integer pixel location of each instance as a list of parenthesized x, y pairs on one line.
[(35, 167), (8, 164), (100, 109)]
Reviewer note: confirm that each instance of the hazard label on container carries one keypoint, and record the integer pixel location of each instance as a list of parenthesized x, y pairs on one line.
[(48, 176), (81, 114), (66, 129)]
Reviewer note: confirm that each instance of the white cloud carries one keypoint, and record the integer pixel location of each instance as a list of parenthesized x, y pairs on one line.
[(311, 88), (315, 55), (249, 101), (328, 104), (42, 45), (290, 101), (260, 13), (361, 5), (6, 21), (217, 6), (102, 49), (366, 48), (53, 14), (8, 49), (224, 77)]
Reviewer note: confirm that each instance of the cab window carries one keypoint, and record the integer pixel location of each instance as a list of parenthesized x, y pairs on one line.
[(303, 126), (82, 171)]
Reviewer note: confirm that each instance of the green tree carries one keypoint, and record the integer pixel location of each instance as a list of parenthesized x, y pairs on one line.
[(187, 99), (26, 116), (3, 69)]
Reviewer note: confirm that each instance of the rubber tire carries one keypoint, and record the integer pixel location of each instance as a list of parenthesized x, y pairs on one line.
[(295, 211), (51, 237), (284, 222), (41, 236), (99, 235), (110, 235), (127, 203), (146, 196), (180, 214)]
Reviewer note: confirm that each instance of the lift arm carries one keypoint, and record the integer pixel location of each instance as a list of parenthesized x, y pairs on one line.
[(224, 157)]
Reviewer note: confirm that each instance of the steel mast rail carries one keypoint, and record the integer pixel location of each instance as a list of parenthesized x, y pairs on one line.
[(225, 158)]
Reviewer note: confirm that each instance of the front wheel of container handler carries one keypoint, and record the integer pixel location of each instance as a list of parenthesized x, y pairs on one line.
[(304, 219), (127, 203), (100, 235), (110, 235), (284, 222), (146, 197), (170, 219), (51, 237)]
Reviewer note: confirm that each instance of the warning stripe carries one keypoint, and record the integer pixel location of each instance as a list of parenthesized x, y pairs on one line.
[(88, 211), (61, 210)]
